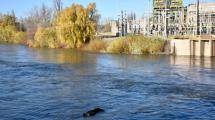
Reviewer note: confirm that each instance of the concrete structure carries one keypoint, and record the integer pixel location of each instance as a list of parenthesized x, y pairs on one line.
[(114, 27), (201, 46)]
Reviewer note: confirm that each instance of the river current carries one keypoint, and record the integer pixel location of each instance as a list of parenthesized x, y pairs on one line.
[(62, 84)]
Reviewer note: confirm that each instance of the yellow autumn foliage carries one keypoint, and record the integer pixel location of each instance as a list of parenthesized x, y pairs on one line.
[(10, 29), (118, 46), (136, 44), (9, 34), (97, 45), (45, 37), (73, 27)]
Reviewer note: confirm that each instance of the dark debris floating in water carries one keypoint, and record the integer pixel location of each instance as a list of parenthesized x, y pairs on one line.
[(93, 112)]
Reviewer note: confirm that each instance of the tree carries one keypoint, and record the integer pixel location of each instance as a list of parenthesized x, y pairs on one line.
[(107, 27), (93, 14), (9, 29), (45, 16), (37, 17), (58, 6), (9, 19), (73, 27), (76, 25), (131, 16)]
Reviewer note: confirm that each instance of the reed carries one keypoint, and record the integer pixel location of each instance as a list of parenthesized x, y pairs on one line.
[(136, 44)]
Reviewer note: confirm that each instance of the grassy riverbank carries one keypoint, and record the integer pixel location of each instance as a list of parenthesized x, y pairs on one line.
[(135, 44), (122, 45)]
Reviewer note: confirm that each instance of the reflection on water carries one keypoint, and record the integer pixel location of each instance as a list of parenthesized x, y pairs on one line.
[(195, 69), (61, 84), (60, 56), (205, 62)]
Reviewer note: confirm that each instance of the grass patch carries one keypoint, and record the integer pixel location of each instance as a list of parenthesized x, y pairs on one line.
[(136, 44), (118, 46), (96, 45)]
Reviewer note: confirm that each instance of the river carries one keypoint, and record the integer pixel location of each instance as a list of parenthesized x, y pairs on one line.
[(62, 84)]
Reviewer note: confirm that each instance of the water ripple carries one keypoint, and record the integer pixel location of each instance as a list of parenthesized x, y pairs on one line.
[(62, 84)]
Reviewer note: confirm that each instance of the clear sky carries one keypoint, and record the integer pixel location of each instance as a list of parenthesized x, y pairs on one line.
[(107, 8)]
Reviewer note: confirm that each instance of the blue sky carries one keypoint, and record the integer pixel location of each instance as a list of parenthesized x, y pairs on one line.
[(108, 8)]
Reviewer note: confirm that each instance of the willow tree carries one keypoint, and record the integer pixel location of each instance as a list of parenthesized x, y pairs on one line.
[(76, 25)]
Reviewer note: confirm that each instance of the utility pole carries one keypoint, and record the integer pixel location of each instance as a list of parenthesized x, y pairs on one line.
[(118, 26), (198, 18), (149, 23), (166, 20), (122, 23), (211, 24), (126, 24), (153, 14)]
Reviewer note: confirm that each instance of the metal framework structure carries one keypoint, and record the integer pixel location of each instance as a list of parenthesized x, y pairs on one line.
[(201, 19), (171, 18)]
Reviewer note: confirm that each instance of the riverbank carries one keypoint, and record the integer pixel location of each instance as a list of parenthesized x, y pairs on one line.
[(135, 44)]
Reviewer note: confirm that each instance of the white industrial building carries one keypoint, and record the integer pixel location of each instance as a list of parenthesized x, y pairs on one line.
[(206, 16)]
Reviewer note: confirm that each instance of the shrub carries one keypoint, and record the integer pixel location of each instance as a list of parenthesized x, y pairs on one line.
[(136, 44), (9, 29), (9, 34), (45, 37), (97, 45), (20, 37), (156, 45), (118, 46)]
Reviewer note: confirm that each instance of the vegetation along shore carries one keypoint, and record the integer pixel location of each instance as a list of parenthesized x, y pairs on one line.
[(74, 27)]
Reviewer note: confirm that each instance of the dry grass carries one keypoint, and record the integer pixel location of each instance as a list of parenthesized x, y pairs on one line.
[(118, 46), (96, 45), (136, 45)]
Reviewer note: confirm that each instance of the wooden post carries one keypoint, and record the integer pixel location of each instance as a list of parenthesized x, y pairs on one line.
[(200, 47), (191, 48), (211, 47)]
